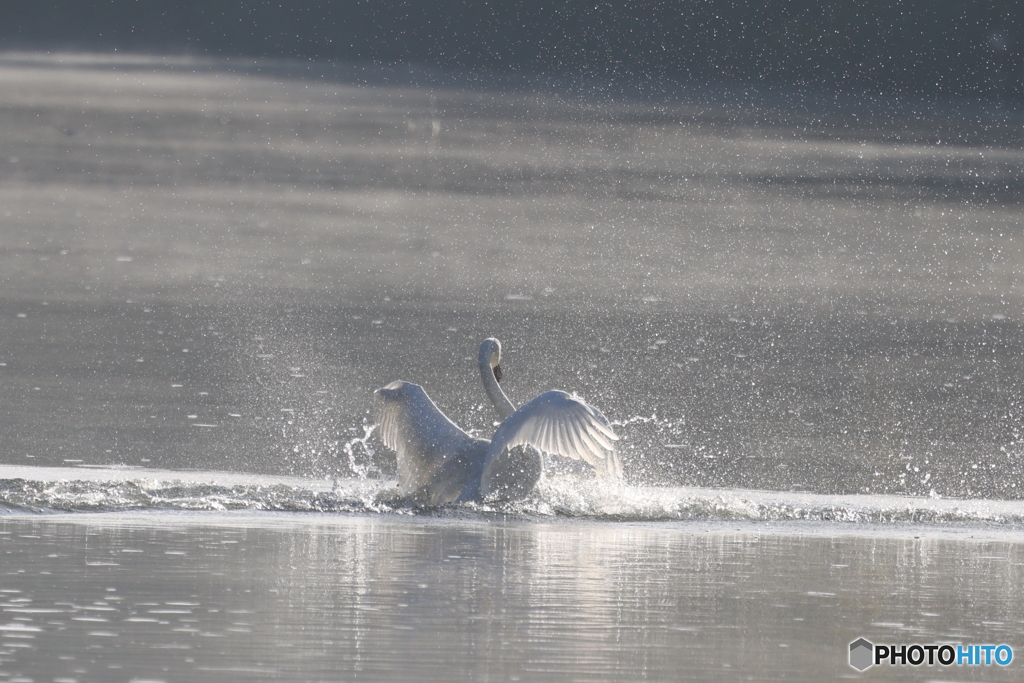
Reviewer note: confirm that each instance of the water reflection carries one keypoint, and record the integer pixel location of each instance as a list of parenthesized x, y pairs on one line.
[(300, 597)]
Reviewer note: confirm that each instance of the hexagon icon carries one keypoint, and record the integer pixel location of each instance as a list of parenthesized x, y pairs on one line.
[(861, 654)]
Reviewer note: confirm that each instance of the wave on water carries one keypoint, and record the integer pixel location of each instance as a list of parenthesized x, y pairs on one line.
[(51, 490)]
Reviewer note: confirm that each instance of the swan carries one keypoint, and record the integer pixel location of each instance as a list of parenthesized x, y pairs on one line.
[(440, 462)]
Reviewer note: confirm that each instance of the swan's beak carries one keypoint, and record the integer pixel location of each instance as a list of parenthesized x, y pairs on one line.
[(497, 373)]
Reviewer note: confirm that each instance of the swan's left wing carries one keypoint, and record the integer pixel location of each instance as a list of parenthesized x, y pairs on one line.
[(421, 435), (554, 422)]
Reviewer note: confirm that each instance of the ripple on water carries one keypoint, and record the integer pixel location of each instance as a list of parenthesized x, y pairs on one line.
[(46, 490)]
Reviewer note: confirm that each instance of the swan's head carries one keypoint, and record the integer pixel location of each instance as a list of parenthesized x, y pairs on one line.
[(490, 356), (394, 391)]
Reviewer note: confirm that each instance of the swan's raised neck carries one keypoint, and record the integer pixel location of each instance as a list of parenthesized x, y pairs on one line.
[(490, 353), (489, 359)]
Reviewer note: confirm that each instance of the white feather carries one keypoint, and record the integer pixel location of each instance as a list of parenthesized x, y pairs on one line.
[(443, 464), (553, 422), (423, 440)]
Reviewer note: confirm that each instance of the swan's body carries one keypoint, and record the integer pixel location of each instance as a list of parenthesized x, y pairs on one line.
[(444, 464)]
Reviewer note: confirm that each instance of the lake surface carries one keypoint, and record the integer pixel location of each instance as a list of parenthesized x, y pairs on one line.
[(803, 317), (299, 597)]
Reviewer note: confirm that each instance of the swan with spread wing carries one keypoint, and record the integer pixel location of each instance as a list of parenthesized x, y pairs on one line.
[(443, 464)]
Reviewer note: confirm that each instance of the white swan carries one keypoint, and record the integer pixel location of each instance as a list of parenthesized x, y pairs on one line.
[(444, 464)]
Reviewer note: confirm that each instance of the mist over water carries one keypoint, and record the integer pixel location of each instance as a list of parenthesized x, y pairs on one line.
[(804, 324), (208, 269)]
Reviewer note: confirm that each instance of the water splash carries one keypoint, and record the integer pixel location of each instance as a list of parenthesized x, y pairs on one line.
[(636, 419), (361, 454), (48, 490), (612, 500)]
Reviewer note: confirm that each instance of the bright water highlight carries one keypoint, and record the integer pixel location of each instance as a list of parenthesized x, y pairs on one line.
[(50, 489)]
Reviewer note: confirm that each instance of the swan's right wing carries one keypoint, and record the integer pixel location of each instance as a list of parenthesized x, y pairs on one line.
[(420, 434), (553, 422)]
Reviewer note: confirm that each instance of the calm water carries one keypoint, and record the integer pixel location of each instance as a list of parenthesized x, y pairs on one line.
[(806, 326), (300, 597)]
